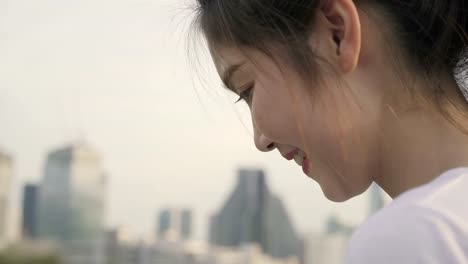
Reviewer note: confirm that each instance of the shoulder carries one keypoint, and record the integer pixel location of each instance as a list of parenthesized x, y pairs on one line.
[(428, 224), (407, 234)]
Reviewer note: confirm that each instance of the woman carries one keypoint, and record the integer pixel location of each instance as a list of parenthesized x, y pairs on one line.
[(358, 92)]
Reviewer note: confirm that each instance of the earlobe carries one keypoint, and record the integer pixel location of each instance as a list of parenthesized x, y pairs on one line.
[(343, 18)]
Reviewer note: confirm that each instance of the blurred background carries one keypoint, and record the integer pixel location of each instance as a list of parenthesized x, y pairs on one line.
[(118, 145)]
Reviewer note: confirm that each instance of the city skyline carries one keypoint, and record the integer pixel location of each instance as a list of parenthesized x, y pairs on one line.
[(250, 181), (115, 73), (252, 221)]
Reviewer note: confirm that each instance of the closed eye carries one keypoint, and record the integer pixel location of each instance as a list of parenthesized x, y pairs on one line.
[(246, 95)]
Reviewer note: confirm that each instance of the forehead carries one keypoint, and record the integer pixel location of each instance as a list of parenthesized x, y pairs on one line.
[(223, 57)]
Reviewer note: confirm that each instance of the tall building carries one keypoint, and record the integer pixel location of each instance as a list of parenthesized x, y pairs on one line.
[(6, 170), (121, 251), (71, 203), (166, 222), (30, 211), (252, 214), (335, 226), (186, 224), (325, 248), (377, 200), (175, 224)]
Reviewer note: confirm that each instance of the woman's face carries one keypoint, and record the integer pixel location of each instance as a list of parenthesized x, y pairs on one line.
[(330, 126), (327, 127)]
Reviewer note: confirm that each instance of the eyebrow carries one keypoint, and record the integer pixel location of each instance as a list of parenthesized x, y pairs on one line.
[(227, 75)]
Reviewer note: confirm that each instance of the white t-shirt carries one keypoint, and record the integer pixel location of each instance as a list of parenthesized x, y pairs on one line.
[(428, 224)]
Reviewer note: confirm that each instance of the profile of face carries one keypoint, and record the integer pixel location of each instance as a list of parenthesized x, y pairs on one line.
[(330, 126)]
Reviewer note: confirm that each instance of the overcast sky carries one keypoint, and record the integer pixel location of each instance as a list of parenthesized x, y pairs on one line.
[(115, 73)]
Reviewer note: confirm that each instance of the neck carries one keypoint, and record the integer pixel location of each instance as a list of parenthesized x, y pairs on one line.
[(417, 146)]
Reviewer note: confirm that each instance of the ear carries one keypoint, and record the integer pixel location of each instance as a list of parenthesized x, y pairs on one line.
[(340, 26)]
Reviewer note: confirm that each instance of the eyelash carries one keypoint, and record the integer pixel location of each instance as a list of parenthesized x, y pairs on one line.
[(246, 94)]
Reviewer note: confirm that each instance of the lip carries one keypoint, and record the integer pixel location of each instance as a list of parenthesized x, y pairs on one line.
[(290, 155)]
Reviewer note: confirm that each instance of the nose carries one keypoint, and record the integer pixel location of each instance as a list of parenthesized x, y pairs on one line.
[(262, 143)]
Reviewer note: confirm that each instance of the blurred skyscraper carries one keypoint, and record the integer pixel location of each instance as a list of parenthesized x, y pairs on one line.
[(6, 170), (30, 211), (175, 224), (252, 214), (377, 200), (165, 222), (325, 248), (186, 224), (71, 203), (120, 251), (329, 247), (336, 226)]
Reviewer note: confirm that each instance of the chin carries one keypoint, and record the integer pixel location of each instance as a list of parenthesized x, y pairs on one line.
[(337, 197), (340, 189), (341, 194)]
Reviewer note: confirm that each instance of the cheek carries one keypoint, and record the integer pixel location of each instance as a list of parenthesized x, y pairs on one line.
[(272, 115), (341, 141), (323, 137), (335, 119)]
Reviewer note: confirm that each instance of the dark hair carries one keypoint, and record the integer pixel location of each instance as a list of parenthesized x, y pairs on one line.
[(431, 32)]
